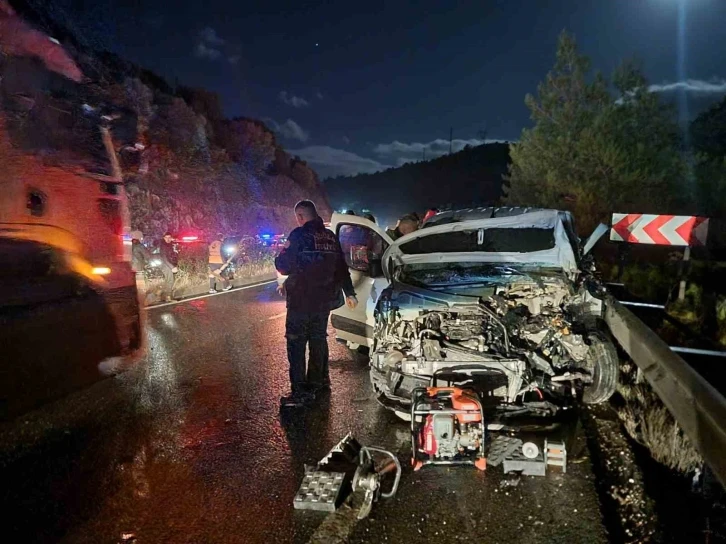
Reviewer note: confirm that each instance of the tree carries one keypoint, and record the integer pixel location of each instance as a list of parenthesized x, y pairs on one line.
[(710, 176), (708, 135), (592, 153), (708, 131)]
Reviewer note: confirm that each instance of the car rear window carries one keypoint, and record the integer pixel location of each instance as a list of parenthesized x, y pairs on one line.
[(492, 240)]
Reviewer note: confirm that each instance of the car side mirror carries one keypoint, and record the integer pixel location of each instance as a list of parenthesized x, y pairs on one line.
[(598, 233)]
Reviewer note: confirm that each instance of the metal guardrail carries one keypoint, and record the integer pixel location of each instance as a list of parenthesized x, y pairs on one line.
[(696, 351), (699, 409)]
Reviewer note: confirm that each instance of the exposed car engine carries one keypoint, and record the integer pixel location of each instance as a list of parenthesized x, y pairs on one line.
[(521, 347)]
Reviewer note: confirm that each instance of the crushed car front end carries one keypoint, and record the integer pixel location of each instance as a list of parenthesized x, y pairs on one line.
[(520, 331)]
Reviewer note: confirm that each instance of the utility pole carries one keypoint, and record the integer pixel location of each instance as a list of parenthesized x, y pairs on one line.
[(424, 154), (451, 138)]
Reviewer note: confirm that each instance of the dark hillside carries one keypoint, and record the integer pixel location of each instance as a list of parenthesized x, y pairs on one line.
[(185, 166), (473, 176)]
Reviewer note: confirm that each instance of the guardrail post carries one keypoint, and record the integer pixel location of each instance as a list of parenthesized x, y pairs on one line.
[(684, 272)]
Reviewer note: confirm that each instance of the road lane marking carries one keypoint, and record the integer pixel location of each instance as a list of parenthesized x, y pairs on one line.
[(276, 316), (235, 290), (337, 526)]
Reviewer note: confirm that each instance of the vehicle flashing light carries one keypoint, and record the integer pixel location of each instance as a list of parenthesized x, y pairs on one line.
[(230, 249), (190, 238)]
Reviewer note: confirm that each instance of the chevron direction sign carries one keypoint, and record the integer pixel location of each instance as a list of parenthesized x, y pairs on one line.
[(664, 230)]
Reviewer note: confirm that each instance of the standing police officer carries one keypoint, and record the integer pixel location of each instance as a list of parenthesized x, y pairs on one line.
[(140, 257), (216, 261), (169, 262), (317, 277)]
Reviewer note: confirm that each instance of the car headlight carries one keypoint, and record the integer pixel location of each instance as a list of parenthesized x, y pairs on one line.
[(101, 270)]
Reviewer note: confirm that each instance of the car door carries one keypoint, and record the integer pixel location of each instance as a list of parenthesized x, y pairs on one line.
[(363, 244)]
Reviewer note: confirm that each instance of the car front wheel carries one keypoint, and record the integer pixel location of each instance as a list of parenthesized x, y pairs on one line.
[(603, 363)]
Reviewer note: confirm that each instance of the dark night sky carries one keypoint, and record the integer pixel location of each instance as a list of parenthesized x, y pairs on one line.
[(353, 86)]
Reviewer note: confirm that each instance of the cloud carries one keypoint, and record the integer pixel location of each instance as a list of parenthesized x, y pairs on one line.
[(330, 162), (319, 95), (289, 129), (696, 86), (203, 51), (292, 100), (210, 36), (208, 45), (346, 140), (699, 88), (233, 59), (407, 152)]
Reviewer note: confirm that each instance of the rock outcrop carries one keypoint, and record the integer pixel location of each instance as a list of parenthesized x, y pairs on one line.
[(185, 167)]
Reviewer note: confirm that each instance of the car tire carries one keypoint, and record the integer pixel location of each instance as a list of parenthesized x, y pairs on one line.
[(603, 361), (360, 355)]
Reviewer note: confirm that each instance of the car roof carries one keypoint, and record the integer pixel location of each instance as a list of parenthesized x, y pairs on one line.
[(489, 212), (562, 254)]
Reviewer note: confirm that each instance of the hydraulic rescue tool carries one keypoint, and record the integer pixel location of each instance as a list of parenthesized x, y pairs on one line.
[(348, 468)]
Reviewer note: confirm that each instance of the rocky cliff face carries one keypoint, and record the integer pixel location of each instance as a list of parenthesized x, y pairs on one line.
[(185, 167)]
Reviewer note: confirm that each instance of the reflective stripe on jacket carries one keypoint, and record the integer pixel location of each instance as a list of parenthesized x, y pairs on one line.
[(215, 253)]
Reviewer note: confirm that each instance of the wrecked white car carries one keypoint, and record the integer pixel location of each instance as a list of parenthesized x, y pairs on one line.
[(500, 300)]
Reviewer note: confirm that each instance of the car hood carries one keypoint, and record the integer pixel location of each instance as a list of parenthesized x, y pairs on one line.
[(561, 256)]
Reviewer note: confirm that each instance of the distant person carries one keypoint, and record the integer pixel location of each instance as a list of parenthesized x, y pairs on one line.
[(216, 262), (169, 262), (317, 277), (140, 257), (406, 225), (349, 212), (370, 217)]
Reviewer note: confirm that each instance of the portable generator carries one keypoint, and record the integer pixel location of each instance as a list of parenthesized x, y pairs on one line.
[(447, 427)]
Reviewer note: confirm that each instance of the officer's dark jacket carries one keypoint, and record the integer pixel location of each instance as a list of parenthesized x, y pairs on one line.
[(316, 269)]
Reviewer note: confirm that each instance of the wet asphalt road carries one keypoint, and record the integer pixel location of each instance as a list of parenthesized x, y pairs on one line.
[(190, 447)]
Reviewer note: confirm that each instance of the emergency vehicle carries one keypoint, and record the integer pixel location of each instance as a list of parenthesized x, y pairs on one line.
[(69, 308)]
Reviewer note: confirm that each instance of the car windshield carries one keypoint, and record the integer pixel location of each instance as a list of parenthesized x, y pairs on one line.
[(488, 240), (463, 274)]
